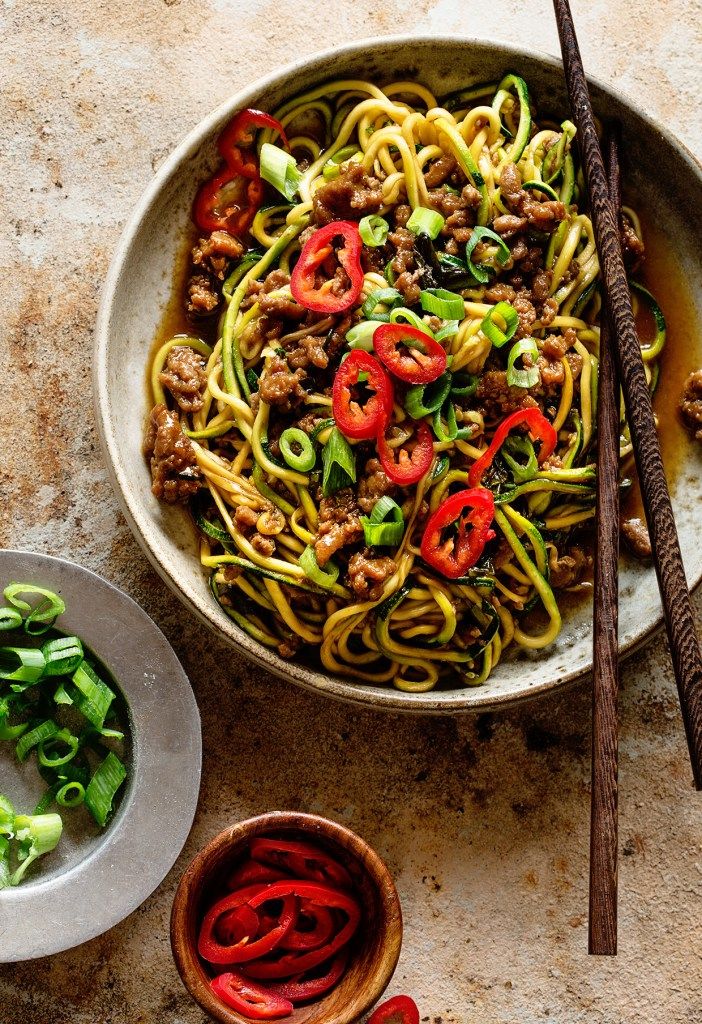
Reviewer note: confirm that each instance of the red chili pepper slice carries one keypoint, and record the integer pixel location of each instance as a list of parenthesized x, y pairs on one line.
[(240, 134), (402, 466), (301, 991), (209, 946), (409, 353), (539, 430), (303, 860), (219, 208), (323, 895), (250, 872), (315, 251), (356, 418), (302, 937), (236, 925), (398, 1010), (249, 999), (468, 514)]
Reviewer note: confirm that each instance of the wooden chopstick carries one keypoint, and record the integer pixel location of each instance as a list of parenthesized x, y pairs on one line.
[(677, 607), (604, 829)]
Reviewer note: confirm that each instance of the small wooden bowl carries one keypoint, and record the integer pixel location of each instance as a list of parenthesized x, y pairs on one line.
[(374, 950)]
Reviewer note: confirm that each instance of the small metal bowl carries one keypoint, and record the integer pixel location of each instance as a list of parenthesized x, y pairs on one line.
[(374, 950)]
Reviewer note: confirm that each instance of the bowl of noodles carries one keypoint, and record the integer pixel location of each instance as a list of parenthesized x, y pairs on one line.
[(346, 372)]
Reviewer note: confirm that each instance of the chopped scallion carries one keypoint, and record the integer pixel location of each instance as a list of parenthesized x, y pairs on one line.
[(90, 695), (386, 525), (373, 230), (21, 664), (425, 221), (481, 234), (339, 463), (509, 316), (280, 170), (101, 790), (324, 577), (302, 460), (528, 376), (43, 731), (361, 336), (62, 655), (447, 305)]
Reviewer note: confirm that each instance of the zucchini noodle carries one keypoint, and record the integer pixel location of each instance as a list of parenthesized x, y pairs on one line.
[(267, 516)]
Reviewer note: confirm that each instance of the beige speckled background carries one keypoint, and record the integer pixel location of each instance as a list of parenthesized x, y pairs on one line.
[(484, 822)]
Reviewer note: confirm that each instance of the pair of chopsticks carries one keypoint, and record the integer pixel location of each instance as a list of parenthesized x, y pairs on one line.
[(619, 344)]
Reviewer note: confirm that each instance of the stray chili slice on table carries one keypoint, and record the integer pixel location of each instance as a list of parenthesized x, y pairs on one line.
[(539, 430), (324, 296), (250, 999), (303, 860), (398, 1010), (357, 418), (403, 466), (456, 534), (409, 353), (299, 990)]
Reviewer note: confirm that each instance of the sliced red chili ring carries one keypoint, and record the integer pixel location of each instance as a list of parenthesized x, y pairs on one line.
[(409, 353), (539, 430), (217, 952), (299, 990), (217, 208), (240, 134), (251, 871), (249, 999), (403, 466), (467, 516), (302, 937), (324, 298), (356, 418), (297, 963), (398, 1010), (236, 925)]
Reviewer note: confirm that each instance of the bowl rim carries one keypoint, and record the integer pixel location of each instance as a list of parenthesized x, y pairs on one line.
[(310, 826), (313, 679)]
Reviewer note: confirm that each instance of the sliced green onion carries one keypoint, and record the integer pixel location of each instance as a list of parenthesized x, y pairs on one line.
[(464, 385), (403, 315), (324, 577), (447, 331), (380, 297), (479, 234), (339, 463), (7, 816), (37, 834), (361, 336), (101, 790), (62, 656), (331, 167), (43, 615), (426, 221), (386, 524), (447, 413), (495, 334), (64, 798), (21, 664), (303, 460), (447, 305), (43, 731), (47, 799), (516, 445), (442, 464), (423, 399), (528, 376), (90, 695), (10, 732), (10, 618), (280, 170), (5, 872), (60, 695), (373, 230), (321, 427), (63, 736)]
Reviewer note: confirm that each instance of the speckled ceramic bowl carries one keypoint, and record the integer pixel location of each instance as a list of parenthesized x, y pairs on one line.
[(138, 285)]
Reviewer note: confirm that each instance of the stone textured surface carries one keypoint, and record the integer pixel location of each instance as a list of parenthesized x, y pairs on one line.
[(484, 822)]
